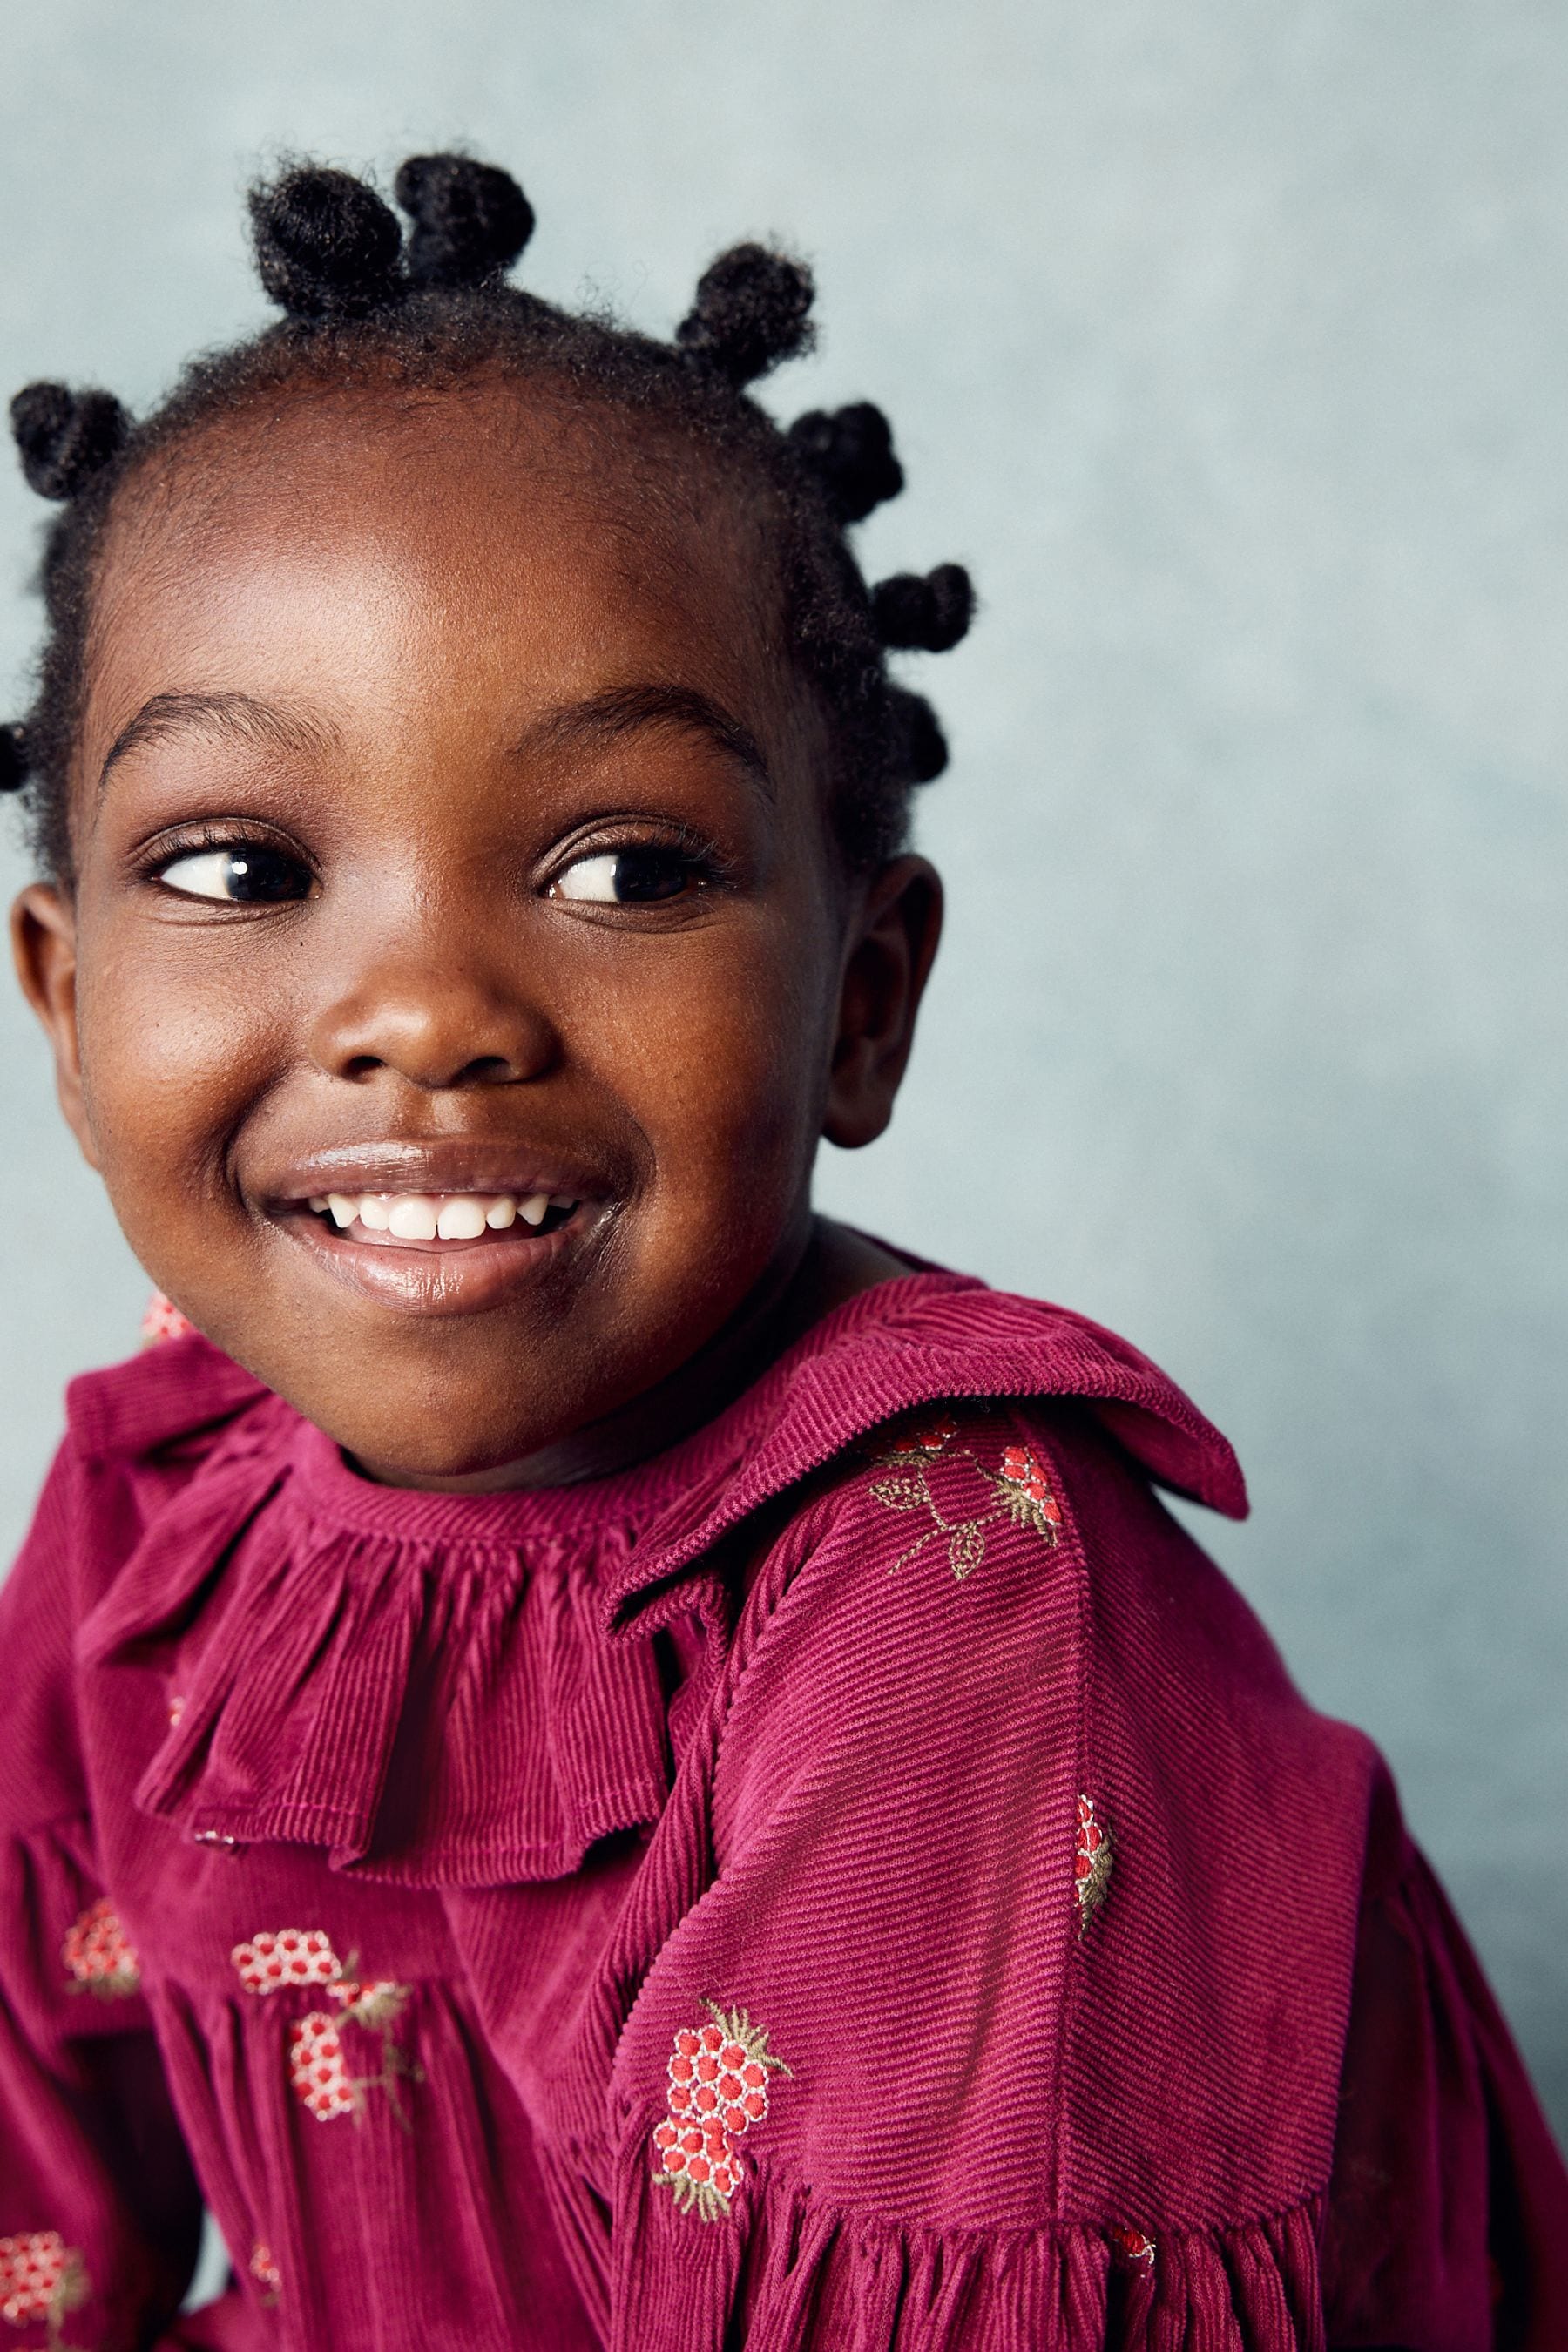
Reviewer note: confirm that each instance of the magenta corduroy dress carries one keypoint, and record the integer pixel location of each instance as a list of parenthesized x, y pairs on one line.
[(862, 1880)]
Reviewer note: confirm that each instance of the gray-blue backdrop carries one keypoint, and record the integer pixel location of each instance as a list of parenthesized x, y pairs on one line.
[(1230, 345)]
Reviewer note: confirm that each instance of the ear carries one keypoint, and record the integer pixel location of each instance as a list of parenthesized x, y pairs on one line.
[(890, 950), (43, 941)]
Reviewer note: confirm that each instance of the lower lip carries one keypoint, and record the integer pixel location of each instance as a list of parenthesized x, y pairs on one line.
[(468, 1278)]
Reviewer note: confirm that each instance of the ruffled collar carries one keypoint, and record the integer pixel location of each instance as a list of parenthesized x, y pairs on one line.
[(461, 1689)]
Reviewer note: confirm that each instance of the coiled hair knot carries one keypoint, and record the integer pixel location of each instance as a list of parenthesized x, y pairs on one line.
[(753, 310), (850, 452), (327, 246), (65, 437), (470, 220), (924, 613), (15, 765)]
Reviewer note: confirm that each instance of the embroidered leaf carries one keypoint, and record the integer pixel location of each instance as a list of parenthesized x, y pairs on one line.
[(966, 1547), (903, 1490)]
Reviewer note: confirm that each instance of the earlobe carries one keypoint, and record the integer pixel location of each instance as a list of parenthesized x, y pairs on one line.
[(43, 943), (886, 967)]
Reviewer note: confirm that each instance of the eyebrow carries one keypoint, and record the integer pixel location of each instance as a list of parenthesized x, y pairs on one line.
[(240, 716), (603, 718), (628, 710)]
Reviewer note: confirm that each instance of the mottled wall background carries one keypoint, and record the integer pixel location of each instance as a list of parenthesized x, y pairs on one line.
[(1230, 345)]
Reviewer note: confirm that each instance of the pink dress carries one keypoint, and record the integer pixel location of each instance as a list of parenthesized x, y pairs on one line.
[(862, 1880)]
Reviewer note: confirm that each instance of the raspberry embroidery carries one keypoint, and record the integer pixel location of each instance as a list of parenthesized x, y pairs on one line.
[(96, 1954), (317, 2058), (1025, 1492), (266, 2273), (1132, 2246), (718, 2088), (317, 2070), (163, 1321), (41, 2278), (1021, 1491), (1091, 1863), (926, 1441), (288, 1956)]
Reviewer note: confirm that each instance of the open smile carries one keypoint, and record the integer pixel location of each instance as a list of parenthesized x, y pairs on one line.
[(430, 1227), (412, 1219)]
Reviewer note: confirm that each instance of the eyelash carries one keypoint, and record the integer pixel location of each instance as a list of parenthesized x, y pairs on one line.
[(151, 864), (711, 867)]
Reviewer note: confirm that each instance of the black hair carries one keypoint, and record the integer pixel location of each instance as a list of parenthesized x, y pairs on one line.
[(365, 301)]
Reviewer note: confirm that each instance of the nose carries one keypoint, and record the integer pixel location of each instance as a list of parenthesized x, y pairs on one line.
[(431, 1013)]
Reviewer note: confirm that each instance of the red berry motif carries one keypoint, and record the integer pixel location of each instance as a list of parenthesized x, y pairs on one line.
[(1018, 1489), (162, 1320), (318, 2068), (286, 1956), (718, 2088), (317, 2060), (1026, 1492), (41, 2278), (1132, 2246), (923, 1443), (265, 2272), (1091, 1863), (96, 1954)]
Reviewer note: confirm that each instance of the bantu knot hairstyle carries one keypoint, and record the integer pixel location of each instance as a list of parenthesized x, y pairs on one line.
[(850, 451), (363, 301), (471, 221), (65, 437), (753, 310)]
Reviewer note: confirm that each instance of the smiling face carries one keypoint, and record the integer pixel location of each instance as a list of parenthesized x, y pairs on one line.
[(452, 849)]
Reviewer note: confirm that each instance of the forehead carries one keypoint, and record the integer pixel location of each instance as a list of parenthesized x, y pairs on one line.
[(488, 539)]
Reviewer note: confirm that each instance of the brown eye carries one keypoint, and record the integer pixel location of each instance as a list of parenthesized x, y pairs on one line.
[(244, 875), (629, 878)]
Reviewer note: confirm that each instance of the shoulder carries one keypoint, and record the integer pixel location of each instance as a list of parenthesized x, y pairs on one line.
[(1011, 1788)]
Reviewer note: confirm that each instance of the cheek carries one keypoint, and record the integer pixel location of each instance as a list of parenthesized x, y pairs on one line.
[(723, 1068), (173, 1053)]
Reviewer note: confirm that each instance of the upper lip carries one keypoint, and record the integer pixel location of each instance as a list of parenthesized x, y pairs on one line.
[(448, 1166)]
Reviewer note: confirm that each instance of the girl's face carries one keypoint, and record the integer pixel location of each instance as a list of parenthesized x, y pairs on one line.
[(449, 836)]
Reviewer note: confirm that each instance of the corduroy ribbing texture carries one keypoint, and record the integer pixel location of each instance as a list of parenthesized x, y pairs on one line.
[(863, 1882)]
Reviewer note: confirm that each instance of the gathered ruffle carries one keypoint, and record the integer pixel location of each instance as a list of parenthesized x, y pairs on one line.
[(787, 2274), (461, 1690), (338, 1675)]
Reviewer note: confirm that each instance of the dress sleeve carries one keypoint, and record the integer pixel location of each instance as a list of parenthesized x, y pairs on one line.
[(99, 2210), (1448, 2226), (843, 2079)]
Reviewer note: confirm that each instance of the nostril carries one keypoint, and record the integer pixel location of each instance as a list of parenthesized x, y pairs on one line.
[(362, 1065), (487, 1070)]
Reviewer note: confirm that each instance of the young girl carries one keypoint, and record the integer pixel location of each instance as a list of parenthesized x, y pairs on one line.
[(593, 1760)]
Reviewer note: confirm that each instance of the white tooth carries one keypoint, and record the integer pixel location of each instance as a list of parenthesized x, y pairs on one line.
[(344, 1211), (374, 1212), (319, 1203), (501, 1212), (461, 1218), (412, 1218), (532, 1211), (563, 1199)]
